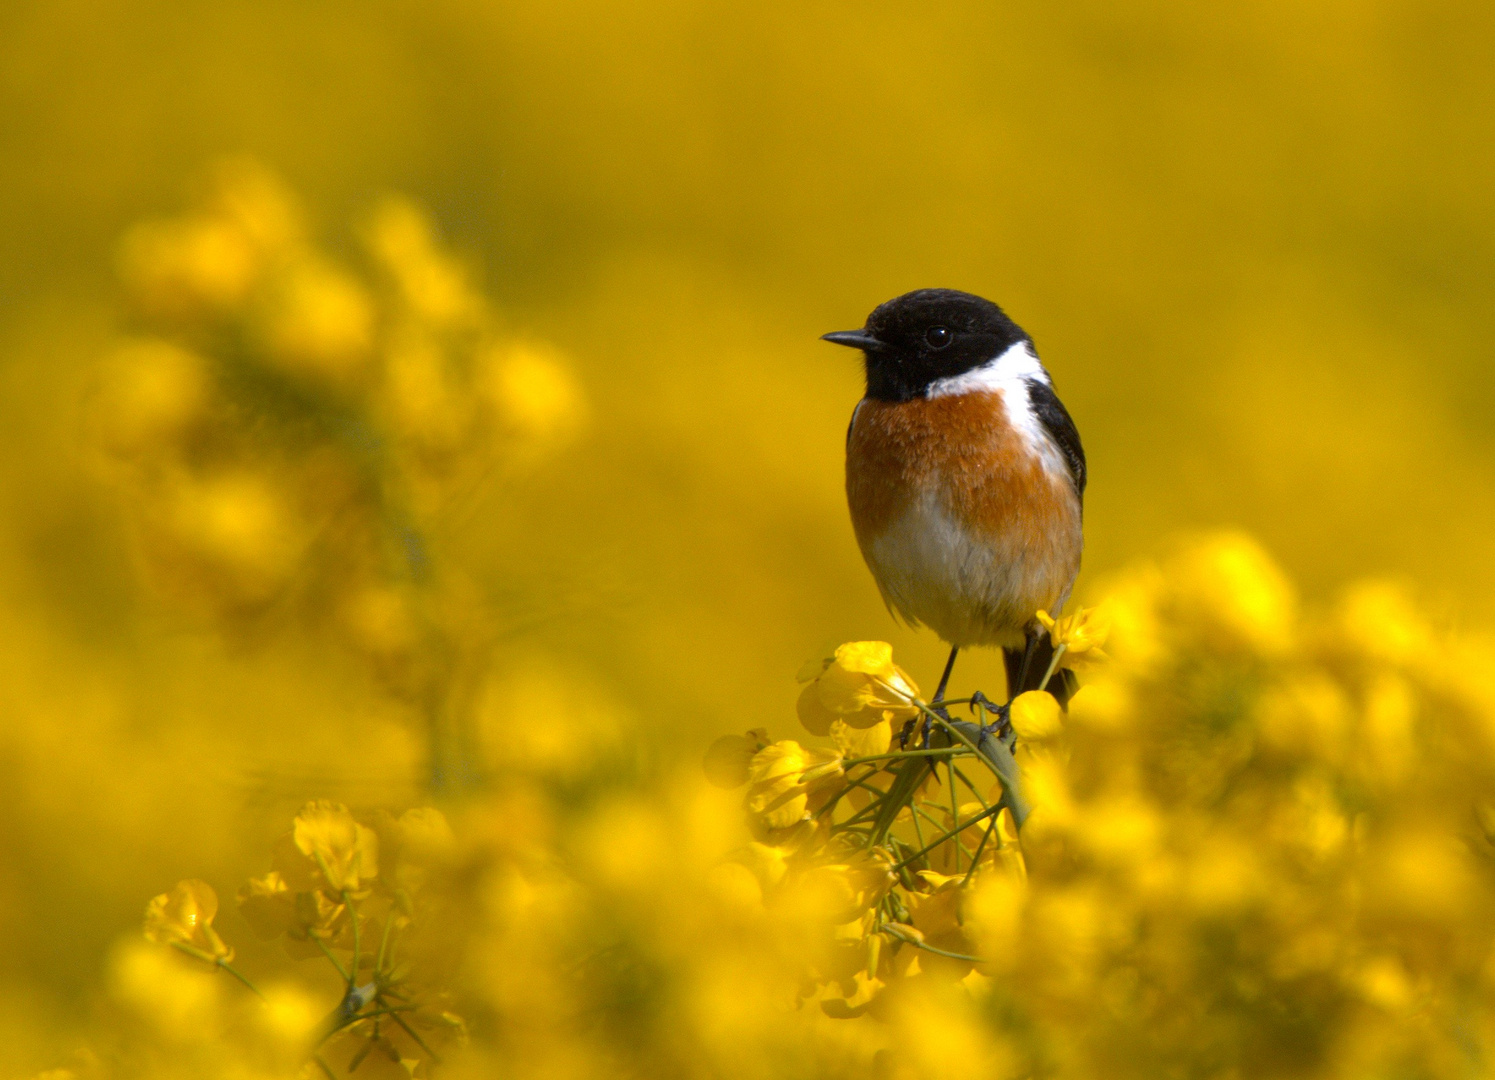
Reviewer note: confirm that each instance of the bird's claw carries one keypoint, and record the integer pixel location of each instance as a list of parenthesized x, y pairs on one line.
[(980, 700), (1001, 713)]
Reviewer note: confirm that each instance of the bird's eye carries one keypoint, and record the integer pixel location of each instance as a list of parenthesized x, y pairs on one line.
[(938, 336)]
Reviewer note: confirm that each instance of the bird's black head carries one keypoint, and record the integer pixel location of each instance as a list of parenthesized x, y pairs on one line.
[(923, 336)]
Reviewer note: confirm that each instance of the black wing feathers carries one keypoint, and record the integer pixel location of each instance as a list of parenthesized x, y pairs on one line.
[(1055, 419)]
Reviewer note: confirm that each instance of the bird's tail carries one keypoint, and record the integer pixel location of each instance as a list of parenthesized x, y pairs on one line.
[(1062, 684)]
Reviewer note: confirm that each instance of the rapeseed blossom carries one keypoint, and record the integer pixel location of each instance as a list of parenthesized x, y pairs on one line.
[(1258, 844), (1239, 859)]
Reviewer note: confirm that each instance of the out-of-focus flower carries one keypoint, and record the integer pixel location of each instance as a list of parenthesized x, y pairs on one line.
[(425, 405), (272, 909), (268, 905), (860, 686), (426, 836), (940, 917), (728, 758), (151, 392), (344, 853), (786, 781), (318, 321), (402, 239), (1081, 634), (1047, 787), (1233, 592), (535, 393), (841, 892), (180, 268), (184, 916), (1380, 620), (233, 529), (180, 1005), (1036, 715)]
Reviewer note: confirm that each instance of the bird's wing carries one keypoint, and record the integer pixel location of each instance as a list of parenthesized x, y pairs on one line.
[(1055, 419), (853, 421)]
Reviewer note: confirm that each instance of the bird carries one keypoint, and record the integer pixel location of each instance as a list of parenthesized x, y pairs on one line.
[(965, 477)]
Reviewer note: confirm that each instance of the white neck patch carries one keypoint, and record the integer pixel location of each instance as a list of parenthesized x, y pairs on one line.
[(1008, 374), (1016, 363)]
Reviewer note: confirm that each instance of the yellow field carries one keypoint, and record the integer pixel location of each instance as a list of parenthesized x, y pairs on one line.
[(419, 409)]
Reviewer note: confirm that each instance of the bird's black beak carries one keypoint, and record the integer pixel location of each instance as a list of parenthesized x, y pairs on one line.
[(855, 339)]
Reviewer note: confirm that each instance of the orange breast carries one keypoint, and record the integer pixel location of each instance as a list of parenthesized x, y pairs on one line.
[(962, 525)]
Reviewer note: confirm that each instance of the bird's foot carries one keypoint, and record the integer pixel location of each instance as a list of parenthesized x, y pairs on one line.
[(1001, 714)]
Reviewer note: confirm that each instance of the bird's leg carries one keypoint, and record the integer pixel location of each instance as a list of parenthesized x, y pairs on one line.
[(1000, 724), (1029, 649), (939, 694)]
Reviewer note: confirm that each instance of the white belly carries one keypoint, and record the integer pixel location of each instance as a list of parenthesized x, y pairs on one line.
[(970, 590)]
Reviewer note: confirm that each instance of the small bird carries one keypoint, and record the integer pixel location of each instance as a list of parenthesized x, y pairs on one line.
[(966, 479)]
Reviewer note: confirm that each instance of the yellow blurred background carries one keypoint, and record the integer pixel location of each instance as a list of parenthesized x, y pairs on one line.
[(1251, 242)]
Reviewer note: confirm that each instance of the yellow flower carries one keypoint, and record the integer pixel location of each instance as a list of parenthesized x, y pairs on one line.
[(1082, 635), (535, 393), (727, 759), (1226, 586), (860, 686), (268, 905), (1035, 715), (344, 852), (1047, 788), (150, 393), (784, 779), (426, 837), (184, 917), (943, 858), (855, 742), (272, 909), (855, 1001), (843, 891), (401, 238), (319, 321), (939, 918), (188, 267)]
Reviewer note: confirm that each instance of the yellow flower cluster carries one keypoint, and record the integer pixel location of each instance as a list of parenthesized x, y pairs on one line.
[(291, 433), (1259, 844), (286, 424), (328, 898)]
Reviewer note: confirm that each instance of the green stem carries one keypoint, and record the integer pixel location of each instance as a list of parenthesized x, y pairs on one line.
[(948, 751), (959, 828), (1053, 667), (909, 775), (218, 962), (859, 782), (369, 1044), (332, 959), (954, 810), (1001, 762), (353, 915), (383, 944), (914, 816), (398, 1019), (991, 827), (916, 943), (236, 973), (388, 1010)]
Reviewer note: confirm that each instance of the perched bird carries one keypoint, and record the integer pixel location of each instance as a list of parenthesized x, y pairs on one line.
[(965, 477)]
